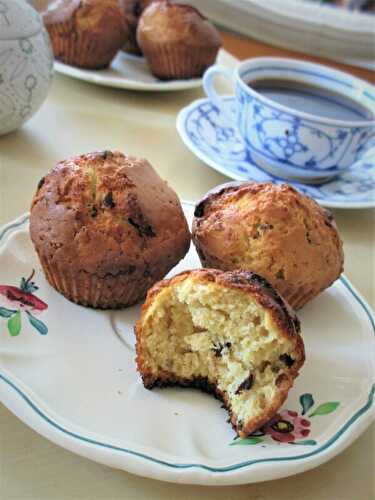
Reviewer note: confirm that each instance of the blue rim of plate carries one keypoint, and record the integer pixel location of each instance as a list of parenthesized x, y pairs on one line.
[(230, 468), (246, 168)]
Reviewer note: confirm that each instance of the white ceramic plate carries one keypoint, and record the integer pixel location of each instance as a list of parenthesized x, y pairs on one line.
[(132, 73), (77, 385)]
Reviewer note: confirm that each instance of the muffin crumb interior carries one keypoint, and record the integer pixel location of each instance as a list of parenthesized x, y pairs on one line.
[(197, 331)]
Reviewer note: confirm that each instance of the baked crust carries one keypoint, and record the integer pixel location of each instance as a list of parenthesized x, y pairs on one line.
[(274, 231), (177, 40), (259, 289), (86, 33), (107, 217)]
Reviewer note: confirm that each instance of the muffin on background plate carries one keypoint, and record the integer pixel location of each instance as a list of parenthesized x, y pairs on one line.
[(228, 333), (85, 33), (177, 41), (106, 227), (132, 9), (275, 231)]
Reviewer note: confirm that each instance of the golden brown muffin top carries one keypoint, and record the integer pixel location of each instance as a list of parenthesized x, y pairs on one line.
[(105, 213), (275, 230), (165, 22), (88, 15)]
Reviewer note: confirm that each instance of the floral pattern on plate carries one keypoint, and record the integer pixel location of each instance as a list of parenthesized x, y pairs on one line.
[(290, 427), (14, 300)]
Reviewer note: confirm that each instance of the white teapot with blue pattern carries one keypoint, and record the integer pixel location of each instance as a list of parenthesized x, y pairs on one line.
[(26, 63)]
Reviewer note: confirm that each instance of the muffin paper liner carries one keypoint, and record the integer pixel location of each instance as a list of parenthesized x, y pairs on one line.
[(298, 297), (88, 289), (173, 61), (78, 50)]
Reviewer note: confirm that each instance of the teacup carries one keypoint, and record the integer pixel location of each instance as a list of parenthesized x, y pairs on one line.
[(331, 132)]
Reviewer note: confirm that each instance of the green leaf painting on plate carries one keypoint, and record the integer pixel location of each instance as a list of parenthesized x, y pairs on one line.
[(246, 441), (37, 324), (307, 401), (6, 313), (289, 426), (14, 324), (325, 408)]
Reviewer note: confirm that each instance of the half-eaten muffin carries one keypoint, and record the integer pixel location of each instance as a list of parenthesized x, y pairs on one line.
[(227, 333)]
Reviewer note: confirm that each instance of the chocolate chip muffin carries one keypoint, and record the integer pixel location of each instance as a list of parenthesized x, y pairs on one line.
[(106, 227), (274, 231), (132, 10), (86, 33), (177, 41), (228, 333)]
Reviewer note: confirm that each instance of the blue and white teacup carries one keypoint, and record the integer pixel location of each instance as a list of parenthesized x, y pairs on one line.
[(294, 143)]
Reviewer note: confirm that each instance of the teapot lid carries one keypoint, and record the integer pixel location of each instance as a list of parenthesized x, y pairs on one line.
[(18, 19)]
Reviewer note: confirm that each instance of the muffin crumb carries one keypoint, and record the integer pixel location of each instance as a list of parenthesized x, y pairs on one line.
[(198, 330)]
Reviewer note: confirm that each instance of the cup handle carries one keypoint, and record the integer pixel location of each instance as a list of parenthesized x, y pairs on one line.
[(209, 88)]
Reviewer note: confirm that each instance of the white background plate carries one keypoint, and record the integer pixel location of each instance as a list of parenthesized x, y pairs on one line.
[(132, 73), (78, 386)]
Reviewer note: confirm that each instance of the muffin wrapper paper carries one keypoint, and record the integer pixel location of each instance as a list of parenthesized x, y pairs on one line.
[(171, 61), (90, 290)]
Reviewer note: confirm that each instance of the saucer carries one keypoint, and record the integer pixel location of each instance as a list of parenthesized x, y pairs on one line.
[(205, 131)]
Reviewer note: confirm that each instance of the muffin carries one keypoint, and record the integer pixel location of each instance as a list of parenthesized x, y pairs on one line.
[(132, 10), (86, 33), (227, 333), (274, 231), (106, 228), (177, 41)]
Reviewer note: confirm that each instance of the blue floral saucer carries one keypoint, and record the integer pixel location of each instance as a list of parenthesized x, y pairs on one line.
[(205, 131)]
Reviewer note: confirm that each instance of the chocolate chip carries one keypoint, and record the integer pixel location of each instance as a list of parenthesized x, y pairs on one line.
[(217, 351), (94, 211), (265, 226), (105, 154), (263, 366), (41, 182), (137, 9), (146, 273), (143, 229), (246, 384), (280, 274), (108, 200), (285, 358), (218, 348), (199, 210)]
